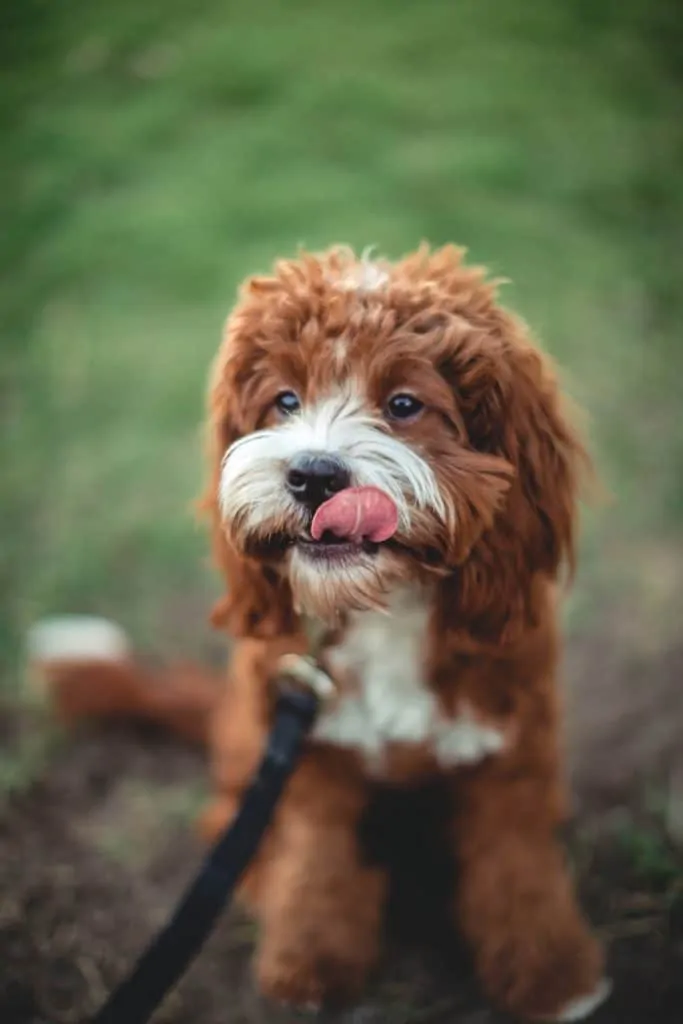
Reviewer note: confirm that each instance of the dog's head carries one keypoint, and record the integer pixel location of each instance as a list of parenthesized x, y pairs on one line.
[(373, 423)]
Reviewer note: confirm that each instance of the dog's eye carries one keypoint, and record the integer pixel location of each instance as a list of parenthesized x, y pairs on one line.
[(287, 403), (404, 407)]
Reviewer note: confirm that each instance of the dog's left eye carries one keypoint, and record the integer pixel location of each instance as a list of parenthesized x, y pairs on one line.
[(287, 402), (404, 407)]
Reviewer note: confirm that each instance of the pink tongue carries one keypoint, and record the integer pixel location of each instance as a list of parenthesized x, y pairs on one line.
[(357, 513)]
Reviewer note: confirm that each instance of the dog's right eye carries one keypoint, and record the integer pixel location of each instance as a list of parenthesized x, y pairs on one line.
[(287, 403)]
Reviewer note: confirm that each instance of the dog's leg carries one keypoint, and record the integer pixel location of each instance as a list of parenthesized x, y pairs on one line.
[(319, 905), (534, 952)]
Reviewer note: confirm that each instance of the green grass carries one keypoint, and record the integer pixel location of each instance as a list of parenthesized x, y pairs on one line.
[(156, 152)]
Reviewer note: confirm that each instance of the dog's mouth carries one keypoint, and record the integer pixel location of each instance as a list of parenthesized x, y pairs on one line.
[(331, 548), (352, 524), (328, 548)]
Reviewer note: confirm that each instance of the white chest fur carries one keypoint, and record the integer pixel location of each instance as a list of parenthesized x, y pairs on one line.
[(385, 654)]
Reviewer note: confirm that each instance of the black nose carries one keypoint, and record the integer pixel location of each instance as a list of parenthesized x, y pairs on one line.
[(312, 478)]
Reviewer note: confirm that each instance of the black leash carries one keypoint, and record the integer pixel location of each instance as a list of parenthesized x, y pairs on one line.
[(172, 950)]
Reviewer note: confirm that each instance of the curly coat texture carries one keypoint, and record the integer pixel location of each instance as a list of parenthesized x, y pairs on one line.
[(446, 642), (511, 443)]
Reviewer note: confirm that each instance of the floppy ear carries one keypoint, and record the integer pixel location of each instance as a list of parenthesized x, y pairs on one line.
[(511, 402), (258, 602)]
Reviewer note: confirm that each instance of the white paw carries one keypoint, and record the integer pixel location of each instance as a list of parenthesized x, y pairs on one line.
[(584, 1006)]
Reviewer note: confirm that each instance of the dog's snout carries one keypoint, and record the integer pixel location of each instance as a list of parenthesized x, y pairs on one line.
[(313, 478)]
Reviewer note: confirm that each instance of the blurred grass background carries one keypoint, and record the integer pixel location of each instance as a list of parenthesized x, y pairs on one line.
[(155, 152)]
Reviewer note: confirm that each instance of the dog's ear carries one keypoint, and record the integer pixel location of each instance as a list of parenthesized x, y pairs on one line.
[(258, 602), (508, 394)]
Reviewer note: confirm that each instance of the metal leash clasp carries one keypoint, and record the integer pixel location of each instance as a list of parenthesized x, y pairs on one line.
[(300, 671), (303, 686)]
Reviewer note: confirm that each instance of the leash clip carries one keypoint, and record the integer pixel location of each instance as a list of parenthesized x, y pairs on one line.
[(302, 685), (301, 672)]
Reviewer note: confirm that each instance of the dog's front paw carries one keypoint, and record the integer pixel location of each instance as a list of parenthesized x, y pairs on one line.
[(552, 981), (583, 1007), (308, 980)]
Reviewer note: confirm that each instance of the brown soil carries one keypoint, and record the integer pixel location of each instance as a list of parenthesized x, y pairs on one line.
[(94, 855)]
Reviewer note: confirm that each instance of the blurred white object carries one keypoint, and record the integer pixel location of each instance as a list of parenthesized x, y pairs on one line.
[(76, 638)]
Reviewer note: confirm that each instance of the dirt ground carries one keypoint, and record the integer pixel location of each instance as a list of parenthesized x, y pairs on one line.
[(94, 854)]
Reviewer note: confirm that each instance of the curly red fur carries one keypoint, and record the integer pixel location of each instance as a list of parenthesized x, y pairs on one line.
[(515, 435), (507, 462)]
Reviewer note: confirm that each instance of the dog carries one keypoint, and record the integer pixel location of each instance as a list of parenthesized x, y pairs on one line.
[(390, 461)]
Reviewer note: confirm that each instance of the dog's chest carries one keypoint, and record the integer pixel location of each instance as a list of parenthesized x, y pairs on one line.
[(388, 702)]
